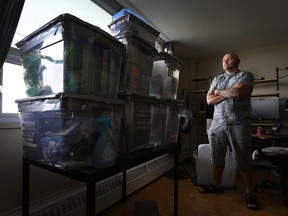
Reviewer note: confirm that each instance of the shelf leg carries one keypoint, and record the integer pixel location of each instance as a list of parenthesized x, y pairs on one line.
[(124, 186), (176, 169), (25, 187), (90, 198)]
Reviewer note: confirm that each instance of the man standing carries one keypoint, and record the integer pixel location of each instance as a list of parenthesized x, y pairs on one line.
[(230, 93)]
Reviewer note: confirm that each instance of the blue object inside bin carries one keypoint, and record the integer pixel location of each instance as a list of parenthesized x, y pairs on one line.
[(124, 12)]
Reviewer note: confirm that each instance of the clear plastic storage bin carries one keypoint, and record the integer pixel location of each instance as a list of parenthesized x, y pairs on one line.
[(165, 76), (158, 126), (70, 55), (137, 69), (137, 123), (174, 108), (65, 130), (165, 122)]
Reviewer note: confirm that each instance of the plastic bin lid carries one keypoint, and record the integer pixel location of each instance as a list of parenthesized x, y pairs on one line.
[(174, 102), (66, 102), (124, 12), (138, 42), (169, 59), (129, 96), (59, 19), (131, 17), (65, 23), (62, 95)]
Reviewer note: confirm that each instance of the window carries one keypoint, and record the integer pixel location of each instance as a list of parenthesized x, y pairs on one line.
[(15, 89), (12, 85)]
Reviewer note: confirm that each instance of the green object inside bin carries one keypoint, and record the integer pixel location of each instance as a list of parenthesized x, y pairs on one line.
[(34, 68), (33, 71)]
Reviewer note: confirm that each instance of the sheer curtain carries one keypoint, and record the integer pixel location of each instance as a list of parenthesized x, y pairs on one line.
[(10, 12)]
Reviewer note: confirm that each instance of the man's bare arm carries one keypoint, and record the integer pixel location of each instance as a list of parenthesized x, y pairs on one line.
[(237, 91), (214, 99)]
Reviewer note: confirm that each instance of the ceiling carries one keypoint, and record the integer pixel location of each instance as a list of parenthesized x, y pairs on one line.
[(202, 28)]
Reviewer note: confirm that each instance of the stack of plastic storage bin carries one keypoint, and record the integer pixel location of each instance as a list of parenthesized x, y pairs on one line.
[(139, 39), (146, 117), (72, 115), (164, 86)]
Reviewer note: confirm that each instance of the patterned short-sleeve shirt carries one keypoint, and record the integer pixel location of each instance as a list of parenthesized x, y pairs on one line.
[(232, 110)]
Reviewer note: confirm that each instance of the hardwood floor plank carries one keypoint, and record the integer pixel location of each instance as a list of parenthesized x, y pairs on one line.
[(193, 203)]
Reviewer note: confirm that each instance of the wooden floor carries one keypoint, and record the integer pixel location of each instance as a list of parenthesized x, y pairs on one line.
[(193, 203)]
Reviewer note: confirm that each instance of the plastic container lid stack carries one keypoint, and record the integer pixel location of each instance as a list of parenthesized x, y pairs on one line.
[(126, 21), (70, 55)]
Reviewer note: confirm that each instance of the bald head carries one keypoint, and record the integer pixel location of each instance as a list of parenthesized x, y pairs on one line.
[(230, 62)]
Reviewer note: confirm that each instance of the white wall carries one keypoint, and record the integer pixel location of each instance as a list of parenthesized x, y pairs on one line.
[(10, 166), (261, 61)]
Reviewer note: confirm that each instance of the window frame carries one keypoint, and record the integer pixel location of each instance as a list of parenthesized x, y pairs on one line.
[(109, 6)]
